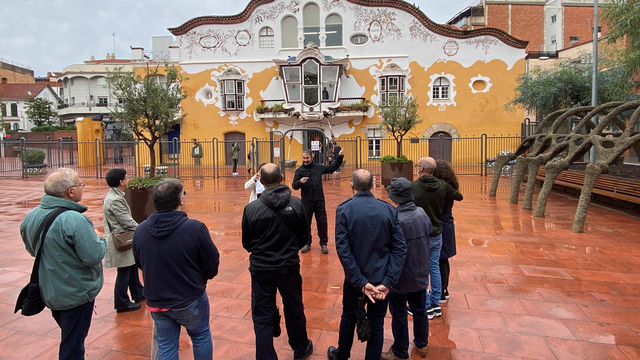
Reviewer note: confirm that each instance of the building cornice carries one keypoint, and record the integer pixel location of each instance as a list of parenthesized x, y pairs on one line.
[(439, 29)]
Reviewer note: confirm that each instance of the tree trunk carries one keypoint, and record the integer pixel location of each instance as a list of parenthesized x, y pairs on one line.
[(517, 180), (399, 147), (152, 159), (591, 174), (533, 166), (551, 174), (501, 161)]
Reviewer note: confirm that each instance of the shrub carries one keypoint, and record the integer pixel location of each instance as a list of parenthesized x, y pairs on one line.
[(391, 158), (33, 157), (277, 108), (261, 108), (140, 182), (52, 128)]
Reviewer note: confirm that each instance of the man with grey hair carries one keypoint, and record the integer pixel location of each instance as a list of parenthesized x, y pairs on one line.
[(308, 177), (371, 247), (177, 258), (70, 274), (431, 193)]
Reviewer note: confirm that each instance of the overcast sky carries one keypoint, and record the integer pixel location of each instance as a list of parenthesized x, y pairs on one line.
[(48, 35)]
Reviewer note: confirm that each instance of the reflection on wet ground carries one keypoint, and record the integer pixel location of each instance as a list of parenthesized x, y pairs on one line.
[(520, 287)]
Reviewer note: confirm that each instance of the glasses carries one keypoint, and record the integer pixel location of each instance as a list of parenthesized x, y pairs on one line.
[(81, 185)]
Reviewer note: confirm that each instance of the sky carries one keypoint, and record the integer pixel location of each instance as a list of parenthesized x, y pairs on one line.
[(48, 35)]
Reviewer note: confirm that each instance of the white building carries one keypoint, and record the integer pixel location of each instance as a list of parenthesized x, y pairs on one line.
[(13, 101)]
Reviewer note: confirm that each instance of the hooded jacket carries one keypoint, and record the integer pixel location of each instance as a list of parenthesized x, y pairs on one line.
[(177, 257), (416, 228), (274, 228), (70, 272), (430, 193), (312, 189)]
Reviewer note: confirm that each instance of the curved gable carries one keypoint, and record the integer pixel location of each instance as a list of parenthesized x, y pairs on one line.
[(439, 29)]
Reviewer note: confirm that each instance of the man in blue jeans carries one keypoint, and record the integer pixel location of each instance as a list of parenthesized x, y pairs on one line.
[(430, 194), (177, 258)]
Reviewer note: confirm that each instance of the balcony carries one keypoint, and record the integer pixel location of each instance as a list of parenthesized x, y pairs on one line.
[(346, 107)]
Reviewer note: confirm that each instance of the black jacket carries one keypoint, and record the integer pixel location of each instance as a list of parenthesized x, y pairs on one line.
[(177, 257), (312, 189), (430, 193), (369, 241), (416, 228), (274, 228)]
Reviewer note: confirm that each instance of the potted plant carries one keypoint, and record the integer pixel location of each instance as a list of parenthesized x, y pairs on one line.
[(138, 195), (33, 162), (261, 109), (399, 116)]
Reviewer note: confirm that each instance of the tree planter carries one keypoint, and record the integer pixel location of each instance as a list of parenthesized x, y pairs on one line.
[(392, 170), (140, 202), (290, 163)]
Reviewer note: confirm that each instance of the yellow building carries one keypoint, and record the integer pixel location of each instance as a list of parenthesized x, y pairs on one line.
[(288, 64)]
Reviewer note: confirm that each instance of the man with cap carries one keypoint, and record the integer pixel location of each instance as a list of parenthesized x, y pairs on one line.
[(412, 285)]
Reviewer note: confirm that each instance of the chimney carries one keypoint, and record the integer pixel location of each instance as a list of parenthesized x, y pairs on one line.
[(4, 80), (113, 56), (93, 58), (108, 56)]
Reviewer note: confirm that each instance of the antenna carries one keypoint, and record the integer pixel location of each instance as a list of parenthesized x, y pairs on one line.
[(114, 34)]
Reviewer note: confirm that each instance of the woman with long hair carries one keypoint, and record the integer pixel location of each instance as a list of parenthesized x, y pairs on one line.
[(117, 216), (445, 172)]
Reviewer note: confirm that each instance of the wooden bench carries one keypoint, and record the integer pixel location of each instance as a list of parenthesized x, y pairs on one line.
[(608, 186)]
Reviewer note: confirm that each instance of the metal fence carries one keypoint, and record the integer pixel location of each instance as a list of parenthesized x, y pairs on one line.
[(214, 158)]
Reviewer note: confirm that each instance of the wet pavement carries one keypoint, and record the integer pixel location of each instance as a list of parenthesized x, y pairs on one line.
[(520, 287)]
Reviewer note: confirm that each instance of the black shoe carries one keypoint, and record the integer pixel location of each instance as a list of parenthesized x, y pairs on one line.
[(324, 249), (305, 249), (446, 293), (130, 307), (331, 353), (443, 298), (307, 352), (140, 299), (277, 330)]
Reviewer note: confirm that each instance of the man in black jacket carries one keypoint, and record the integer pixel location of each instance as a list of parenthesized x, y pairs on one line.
[(308, 177), (274, 229), (177, 257)]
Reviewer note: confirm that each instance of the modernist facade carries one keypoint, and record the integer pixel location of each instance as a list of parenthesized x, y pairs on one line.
[(288, 64)]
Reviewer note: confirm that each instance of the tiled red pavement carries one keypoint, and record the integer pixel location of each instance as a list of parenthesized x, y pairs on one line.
[(521, 288)]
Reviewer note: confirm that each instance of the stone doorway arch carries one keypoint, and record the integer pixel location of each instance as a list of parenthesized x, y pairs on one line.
[(441, 126)]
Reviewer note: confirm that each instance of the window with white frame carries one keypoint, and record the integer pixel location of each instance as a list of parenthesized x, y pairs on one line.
[(289, 32), (441, 89), (3, 109), (266, 38), (333, 29), (232, 94), (103, 101), (391, 87), (553, 19), (292, 81), (15, 126), (374, 137), (14, 109), (311, 23)]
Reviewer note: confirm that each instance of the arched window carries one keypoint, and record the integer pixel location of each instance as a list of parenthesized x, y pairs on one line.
[(441, 88), (333, 28), (310, 83), (311, 22), (266, 38), (289, 32)]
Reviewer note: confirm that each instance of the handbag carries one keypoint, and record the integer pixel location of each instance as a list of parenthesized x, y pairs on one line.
[(30, 299), (363, 325), (122, 240)]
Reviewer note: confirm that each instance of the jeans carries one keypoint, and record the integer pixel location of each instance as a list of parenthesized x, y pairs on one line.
[(195, 318), (263, 309), (399, 323), (375, 313), (319, 209), (445, 271), (127, 278), (435, 244), (235, 165), (74, 324)]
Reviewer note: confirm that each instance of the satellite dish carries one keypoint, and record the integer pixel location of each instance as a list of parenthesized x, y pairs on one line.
[(29, 93)]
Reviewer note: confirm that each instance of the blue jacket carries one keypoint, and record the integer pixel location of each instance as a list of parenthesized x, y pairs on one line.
[(369, 241), (416, 227), (177, 258)]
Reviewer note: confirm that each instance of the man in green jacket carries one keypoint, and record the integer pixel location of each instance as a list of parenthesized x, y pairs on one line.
[(430, 194), (71, 269)]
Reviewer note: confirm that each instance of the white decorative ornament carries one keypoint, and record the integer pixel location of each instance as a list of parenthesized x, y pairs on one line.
[(207, 95), (443, 103), (480, 84)]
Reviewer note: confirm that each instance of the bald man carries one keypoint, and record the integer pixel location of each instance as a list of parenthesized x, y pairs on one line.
[(430, 194)]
